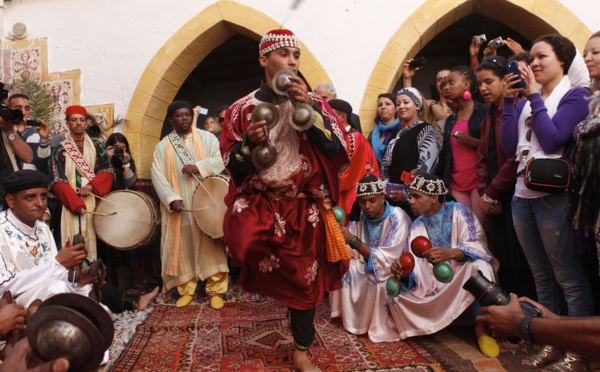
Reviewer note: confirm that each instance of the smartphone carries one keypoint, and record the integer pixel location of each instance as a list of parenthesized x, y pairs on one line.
[(407, 177), (417, 62), (203, 111), (512, 67)]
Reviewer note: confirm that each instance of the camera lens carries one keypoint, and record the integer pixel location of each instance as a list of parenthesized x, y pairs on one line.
[(485, 292), (93, 131)]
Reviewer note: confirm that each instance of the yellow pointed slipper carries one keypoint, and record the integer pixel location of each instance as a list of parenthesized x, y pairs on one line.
[(184, 301), (216, 302), (489, 346)]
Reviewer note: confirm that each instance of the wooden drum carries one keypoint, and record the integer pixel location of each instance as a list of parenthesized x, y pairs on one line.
[(135, 223), (209, 205)]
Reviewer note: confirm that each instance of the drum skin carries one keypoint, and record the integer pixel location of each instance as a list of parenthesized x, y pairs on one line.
[(134, 224), (209, 205)]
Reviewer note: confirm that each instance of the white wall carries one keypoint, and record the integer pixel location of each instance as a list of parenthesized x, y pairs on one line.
[(112, 41)]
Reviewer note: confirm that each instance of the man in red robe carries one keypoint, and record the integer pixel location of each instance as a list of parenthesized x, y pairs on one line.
[(362, 157), (81, 170), (279, 227)]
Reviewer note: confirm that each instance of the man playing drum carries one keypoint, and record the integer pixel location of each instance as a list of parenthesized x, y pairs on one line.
[(81, 170), (181, 159), (279, 227)]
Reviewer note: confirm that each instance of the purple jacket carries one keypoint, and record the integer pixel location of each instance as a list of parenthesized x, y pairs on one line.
[(552, 133)]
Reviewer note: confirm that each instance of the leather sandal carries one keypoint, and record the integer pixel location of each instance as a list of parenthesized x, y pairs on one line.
[(570, 362), (549, 354)]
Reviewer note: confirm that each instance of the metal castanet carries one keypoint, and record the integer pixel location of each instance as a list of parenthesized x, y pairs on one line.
[(302, 117), (264, 154)]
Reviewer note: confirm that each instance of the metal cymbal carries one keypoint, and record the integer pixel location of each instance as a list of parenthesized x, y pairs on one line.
[(88, 308), (282, 82), (265, 111), (57, 331)]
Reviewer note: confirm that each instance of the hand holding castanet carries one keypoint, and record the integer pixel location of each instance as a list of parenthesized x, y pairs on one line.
[(420, 245)]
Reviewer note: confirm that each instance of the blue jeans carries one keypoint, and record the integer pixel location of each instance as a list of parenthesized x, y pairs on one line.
[(547, 238)]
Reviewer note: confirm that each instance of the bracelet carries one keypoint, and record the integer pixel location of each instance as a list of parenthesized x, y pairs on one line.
[(355, 243), (489, 200)]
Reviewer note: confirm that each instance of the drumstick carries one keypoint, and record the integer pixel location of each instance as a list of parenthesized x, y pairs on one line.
[(108, 201), (209, 195), (194, 210), (101, 214)]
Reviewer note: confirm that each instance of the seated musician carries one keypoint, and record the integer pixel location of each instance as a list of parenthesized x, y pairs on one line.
[(30, 265), (425, 304), (376, 234)]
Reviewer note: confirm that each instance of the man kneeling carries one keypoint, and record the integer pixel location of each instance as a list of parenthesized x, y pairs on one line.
[(30, 266), (425, 304), (377, 234)]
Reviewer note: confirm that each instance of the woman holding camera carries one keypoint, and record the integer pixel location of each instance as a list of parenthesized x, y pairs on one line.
[(496, 174), (117, 147), (542, 127)]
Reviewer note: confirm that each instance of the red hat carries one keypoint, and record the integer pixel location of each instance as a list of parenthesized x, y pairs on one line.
[(276, 39), (76, 110)]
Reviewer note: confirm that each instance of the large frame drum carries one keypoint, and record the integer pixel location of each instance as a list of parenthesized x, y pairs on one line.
[(134, 224), (209, 205)]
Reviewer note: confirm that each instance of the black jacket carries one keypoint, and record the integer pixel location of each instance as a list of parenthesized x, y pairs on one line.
[(445, 164)]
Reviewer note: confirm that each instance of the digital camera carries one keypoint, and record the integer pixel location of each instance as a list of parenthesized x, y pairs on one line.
[(496, 43), (480, 39), (119, 152), (488, 293)]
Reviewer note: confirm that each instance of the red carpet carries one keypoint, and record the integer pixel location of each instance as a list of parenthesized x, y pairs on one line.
[(254, 336)]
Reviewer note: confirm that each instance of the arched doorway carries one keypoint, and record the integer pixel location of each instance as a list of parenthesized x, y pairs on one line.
[(176, 60), (527, 18)]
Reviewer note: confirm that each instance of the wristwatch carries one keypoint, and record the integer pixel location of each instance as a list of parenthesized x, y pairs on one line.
[(12, 136), (524, 331)]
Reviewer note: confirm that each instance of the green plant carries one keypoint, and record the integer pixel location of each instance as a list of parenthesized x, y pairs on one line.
[(40, 98)]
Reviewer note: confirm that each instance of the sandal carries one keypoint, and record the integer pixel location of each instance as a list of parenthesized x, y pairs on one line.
[(548, 354), (569, 363)]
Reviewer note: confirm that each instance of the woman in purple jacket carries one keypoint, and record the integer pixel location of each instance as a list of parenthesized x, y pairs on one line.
[(540, 127)]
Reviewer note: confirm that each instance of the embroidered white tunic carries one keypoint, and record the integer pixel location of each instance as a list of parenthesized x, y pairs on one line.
[(361, 302), (28, 267)]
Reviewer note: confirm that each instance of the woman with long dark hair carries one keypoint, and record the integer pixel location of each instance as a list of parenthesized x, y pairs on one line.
[(117, 147), (538, 127), (496, 173)]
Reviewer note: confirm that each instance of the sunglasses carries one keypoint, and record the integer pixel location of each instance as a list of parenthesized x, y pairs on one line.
[(527, 135)]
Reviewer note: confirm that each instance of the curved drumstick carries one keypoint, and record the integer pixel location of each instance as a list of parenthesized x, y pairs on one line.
[(101, 214), (204, 187)]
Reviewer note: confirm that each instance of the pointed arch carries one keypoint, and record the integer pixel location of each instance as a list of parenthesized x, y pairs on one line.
[(177, 58), (531, 18)]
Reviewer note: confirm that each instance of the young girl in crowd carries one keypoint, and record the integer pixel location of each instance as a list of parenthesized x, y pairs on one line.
[(496, 172), (540, 127), (386, 125), (461, 138)]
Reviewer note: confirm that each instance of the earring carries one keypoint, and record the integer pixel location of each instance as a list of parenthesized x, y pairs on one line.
[(467, 95)]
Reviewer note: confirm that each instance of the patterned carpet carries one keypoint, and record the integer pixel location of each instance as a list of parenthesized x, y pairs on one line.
[(254, 336)]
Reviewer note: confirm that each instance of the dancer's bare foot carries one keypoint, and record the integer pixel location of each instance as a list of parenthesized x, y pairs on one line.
[(146, 300), (302, 363)]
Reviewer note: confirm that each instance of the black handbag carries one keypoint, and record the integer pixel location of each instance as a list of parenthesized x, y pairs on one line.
[(552, 175)]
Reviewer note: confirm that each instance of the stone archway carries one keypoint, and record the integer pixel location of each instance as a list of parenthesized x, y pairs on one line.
[(173, 63), (530, 18)]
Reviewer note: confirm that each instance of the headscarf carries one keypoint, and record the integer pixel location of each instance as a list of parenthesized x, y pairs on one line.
[(413, 94), (378, 146)]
